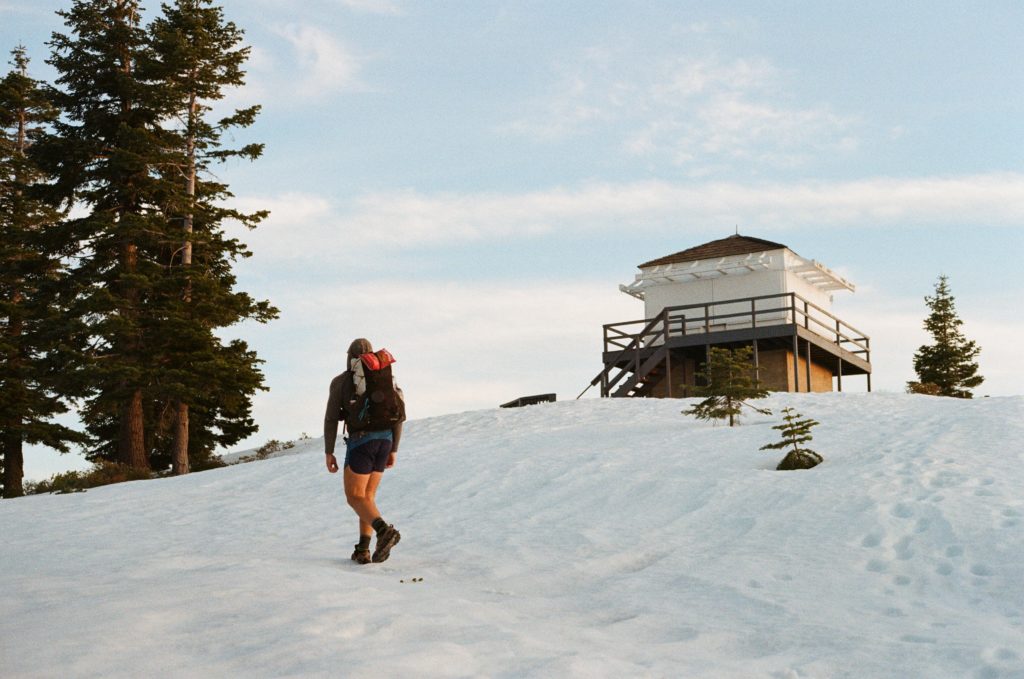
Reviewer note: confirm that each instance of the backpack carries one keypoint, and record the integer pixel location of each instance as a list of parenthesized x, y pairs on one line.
[(377, 404)]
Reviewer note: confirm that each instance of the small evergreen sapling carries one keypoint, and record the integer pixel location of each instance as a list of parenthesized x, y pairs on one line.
[(795, 430), (730, 381)]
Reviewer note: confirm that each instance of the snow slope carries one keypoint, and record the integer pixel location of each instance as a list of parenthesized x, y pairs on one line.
[(576, 539)]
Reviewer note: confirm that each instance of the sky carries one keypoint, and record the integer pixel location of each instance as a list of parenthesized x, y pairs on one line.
[(467, 183)]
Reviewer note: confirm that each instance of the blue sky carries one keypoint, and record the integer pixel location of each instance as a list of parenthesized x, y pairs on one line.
[(467, 183)]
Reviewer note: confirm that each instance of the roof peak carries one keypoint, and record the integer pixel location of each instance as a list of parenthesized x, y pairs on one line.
[(733, 244)]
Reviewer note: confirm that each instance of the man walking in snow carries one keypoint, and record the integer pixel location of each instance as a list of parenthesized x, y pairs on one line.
[(372, 407)]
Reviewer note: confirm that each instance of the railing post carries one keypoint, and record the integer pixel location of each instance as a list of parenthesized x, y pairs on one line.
[(753, 313), (707, 319), (838, 343), (807, 316), (668, 354)]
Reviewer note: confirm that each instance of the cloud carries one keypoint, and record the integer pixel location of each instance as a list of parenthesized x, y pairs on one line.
[(694, 111), (306, 223), (323, 64)]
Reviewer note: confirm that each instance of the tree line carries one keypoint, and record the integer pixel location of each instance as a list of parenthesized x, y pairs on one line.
[(116, 272)]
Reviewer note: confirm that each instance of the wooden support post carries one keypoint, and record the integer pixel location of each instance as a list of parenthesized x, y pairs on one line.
[(796, 362), (839, 373), (668, 352), (757, 364), (668, 370), (808, 367)]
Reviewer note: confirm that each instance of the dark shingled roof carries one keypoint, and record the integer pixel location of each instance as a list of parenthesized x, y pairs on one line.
[(724, 247)]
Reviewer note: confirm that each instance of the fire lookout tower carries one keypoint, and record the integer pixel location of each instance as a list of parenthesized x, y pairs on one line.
[(733, 292)]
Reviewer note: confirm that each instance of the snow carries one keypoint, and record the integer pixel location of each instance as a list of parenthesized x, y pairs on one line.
[(594, 538)]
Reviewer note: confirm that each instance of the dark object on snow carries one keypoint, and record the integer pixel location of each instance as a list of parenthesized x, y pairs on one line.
[(529, 401), (799, 459)]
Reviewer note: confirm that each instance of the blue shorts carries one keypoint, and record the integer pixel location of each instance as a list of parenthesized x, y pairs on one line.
[(370, 455)]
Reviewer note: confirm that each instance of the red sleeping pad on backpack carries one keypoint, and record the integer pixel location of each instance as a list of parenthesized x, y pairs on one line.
[(378, 359)]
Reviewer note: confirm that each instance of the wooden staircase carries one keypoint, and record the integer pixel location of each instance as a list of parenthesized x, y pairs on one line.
[(649, 374), (638, 377)]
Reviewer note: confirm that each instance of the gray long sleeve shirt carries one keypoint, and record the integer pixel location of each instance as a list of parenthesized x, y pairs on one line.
[(340, 406)]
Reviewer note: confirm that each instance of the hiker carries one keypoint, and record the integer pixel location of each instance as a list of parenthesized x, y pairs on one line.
[(372, 407)]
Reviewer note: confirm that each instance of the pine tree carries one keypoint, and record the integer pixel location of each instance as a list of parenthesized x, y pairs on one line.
[(155, 275), (947, 367), (31, 325), (796, 430), (730, 379), (109, 146), (196, 55)]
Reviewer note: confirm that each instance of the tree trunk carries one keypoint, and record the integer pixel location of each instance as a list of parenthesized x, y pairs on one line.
[(131, 443), (14, 462), (179, 456)]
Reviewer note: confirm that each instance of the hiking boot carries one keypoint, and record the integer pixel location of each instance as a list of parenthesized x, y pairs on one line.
[(386, 539), (361, 556)]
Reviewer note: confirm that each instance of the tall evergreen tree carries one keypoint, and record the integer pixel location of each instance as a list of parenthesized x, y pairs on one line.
[(197, 54), (31, 326), (729, 380), (155, 278), (948, 366), (110, 145)]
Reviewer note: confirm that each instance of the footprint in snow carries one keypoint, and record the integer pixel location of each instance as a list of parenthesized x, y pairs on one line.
[(871, 540), (903, 511), (981, 570)]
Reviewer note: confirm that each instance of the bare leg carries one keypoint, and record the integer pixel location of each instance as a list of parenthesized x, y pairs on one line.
[(361, 492)]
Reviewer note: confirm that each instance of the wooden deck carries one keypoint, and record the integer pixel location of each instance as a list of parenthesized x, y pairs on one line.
[(637, 354)]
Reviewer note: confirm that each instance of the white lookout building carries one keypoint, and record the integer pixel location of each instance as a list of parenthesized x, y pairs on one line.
[(733, 292)]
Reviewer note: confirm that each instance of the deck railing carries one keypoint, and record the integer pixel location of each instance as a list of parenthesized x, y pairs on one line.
[(733, 314), (626, 339)]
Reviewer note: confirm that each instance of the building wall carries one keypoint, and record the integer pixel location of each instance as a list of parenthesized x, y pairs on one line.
[(754, 284), (775, 374)]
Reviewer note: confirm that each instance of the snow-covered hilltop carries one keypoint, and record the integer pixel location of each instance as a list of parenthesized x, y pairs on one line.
[(591, 538)]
